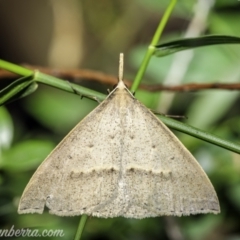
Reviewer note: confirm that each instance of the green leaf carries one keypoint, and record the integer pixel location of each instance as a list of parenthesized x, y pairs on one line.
[(33, 77), (18, 89), (6, 128), (25, 155), (189, 43)]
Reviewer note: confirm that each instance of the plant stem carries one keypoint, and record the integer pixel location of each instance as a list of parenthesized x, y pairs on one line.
[(67, 86), (81, 226), (200, 134), (15, 68), (51, 81), (151, 47)]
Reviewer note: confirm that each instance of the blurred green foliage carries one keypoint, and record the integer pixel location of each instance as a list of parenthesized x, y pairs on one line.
[(31, 127)]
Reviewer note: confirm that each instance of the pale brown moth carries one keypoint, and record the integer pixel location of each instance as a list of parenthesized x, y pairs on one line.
[(120, 160)]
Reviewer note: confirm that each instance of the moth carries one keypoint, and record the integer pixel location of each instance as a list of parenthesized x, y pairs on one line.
[(120, 160)]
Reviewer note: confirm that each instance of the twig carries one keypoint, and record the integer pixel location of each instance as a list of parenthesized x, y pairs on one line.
[(76, 75), (192, 87)]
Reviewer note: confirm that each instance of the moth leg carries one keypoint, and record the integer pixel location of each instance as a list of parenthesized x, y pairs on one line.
[(167, 115)]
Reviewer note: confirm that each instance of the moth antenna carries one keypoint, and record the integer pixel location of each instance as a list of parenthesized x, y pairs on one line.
[(121, 62)]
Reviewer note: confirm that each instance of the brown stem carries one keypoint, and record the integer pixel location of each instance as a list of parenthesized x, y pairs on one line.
[(76, 75)]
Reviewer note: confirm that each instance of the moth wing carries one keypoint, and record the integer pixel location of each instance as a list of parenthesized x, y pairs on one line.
[(81, 173), (163, 177)]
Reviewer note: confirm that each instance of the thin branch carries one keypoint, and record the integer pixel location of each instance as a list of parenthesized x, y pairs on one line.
[(192, 87), (76, 75)]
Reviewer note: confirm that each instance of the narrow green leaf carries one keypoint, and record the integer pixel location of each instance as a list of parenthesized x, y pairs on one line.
[(18, 89), (189, 43)]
